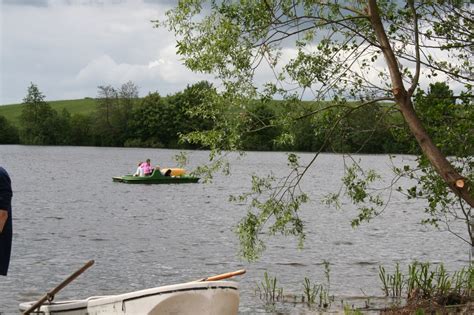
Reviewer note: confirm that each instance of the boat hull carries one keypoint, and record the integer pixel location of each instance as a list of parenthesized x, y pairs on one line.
[(201, 298), (177, 177)]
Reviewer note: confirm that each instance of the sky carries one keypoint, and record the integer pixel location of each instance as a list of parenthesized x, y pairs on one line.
[(70, 47)]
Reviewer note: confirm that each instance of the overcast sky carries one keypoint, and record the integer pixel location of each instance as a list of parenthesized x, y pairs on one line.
[(70, 47)]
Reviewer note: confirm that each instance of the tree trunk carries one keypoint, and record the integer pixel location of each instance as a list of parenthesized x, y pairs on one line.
[(471, 229), (438, 160)]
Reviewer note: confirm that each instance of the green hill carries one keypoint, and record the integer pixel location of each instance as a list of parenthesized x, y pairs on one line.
[(82, 106)]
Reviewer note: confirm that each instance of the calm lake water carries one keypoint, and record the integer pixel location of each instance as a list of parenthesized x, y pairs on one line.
[(67, 211)]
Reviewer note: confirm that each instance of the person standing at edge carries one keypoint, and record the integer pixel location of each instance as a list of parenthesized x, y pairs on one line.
[(6, 229)]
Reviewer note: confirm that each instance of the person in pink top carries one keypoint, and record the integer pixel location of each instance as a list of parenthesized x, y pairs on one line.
[(147, 168)]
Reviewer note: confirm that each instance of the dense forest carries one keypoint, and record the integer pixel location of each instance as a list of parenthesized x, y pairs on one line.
[(122, 119)]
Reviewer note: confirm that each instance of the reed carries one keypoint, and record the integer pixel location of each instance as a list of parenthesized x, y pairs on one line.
[(268, 289), (327, 272), (384, 279), (324, 298), (426, 282), (412, 276), (463, 281), (443, 282), (310, 292), (392, 284)]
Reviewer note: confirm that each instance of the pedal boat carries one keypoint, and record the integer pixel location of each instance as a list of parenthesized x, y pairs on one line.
[(176, 176)]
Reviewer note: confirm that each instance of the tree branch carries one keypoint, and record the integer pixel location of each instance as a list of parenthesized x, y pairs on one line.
[(417, 50)]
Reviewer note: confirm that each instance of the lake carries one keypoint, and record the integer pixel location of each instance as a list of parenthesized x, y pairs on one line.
[(67, 210)]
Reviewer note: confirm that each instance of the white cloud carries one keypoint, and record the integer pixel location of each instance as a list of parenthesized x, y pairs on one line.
[(165, 70), (155, 63), (105, 69)]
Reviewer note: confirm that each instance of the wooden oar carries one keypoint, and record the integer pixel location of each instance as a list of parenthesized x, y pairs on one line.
[(224, 275), (50, 295)]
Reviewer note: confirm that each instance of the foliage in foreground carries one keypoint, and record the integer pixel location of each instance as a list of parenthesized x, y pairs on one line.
[(370, 52)]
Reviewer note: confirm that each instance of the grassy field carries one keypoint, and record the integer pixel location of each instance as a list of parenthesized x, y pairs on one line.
[(82, 106)]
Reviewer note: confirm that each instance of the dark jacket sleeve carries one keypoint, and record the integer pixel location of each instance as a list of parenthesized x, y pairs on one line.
[(5, 202), (5, 190)]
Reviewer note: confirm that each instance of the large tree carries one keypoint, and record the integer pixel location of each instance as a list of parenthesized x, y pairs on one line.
[(39, 122), (113, 113), (372, 52), (146, 127)]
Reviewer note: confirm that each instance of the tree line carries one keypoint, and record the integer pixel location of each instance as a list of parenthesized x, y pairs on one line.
[(122, 119)]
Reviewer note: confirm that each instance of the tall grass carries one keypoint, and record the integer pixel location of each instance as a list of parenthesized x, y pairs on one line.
[(427, 282), (310, 291), (268, 289), (313, 291), (392, 285)]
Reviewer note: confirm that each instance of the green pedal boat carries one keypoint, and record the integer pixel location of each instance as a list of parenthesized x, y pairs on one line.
[(175, 176)]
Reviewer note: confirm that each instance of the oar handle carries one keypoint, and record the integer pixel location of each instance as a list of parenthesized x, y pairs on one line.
[(53, 292), (224, 275)]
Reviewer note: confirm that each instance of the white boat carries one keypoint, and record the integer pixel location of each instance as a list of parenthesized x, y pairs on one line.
[(197, 297)]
